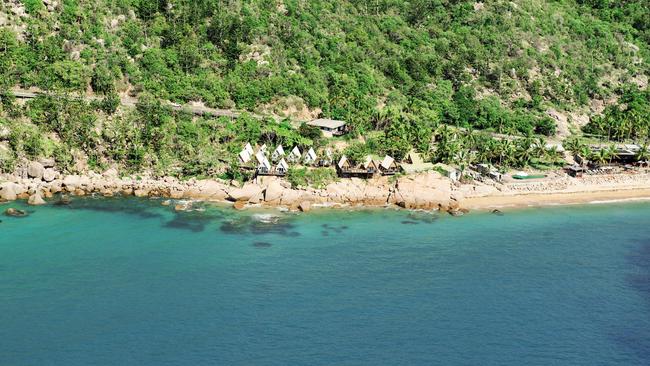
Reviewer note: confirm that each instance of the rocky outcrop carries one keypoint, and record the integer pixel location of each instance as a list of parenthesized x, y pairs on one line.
[(304, 206), (71, 183), (36, 200), (8, 191), (239, 205), (49, 175), (35, 170), (423, 191), (273, 192), (249, 192), (209, 190), (14, 212)]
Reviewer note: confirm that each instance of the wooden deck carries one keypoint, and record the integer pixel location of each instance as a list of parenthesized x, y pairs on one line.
[(271, 172), (356, 173), (388, 171)]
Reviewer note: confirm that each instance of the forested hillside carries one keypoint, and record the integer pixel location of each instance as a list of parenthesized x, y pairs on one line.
[(517, 67)]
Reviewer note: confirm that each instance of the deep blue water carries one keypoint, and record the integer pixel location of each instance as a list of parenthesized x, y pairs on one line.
[(129, 282)]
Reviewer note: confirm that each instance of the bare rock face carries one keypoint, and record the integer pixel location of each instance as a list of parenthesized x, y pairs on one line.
[(8, 192), (141, 192), (273, 192), (375, 196), (110, 173), (35, 170), (176, 194), (36, 200), (210, 190), (290, 198), (56, 186), (49, 175), (72, 183), (239, 205), (425, 191), (305, 206), (246, 193), (183, 206), (14, 212), (47, 162)]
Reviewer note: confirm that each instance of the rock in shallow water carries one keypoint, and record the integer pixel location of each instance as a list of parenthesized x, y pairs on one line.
[(239, 205), (262, 244), (456, 213), (63, 201), (14, 212), (305, 206), (36, 200)]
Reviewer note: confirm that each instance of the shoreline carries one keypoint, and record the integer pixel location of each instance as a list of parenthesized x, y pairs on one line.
[(557, 199), (424, 191)]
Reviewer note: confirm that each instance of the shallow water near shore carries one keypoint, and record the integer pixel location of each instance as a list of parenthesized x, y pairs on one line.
[(130, 282)]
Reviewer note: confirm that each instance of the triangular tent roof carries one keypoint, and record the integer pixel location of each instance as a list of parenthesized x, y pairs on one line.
[(387, 162), (248, 148), (283, 164), (260, 156), (263, 148), (414, 158), (328, 153), (279, 151), (311, 155), (368, 162), (343, 162), (295, 152), (244, 156), (264, 163)]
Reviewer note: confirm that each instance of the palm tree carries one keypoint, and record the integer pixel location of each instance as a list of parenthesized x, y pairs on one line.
[(585, 154), (612, 152), (524, 152), (509, 153), (539, 149), (643, 154), (601, 156)]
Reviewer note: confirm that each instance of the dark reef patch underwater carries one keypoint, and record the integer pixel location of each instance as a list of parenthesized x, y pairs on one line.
[(129, 281)]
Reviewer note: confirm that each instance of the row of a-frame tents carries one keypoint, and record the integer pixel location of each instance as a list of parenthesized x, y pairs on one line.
[(279, 163), (368, 168)]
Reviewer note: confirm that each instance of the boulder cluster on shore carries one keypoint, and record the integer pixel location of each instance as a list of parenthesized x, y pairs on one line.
[(427, 191)]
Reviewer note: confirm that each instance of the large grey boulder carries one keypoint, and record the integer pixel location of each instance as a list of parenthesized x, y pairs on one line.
[(8, 191), (208, 190), (47, 162), (246, 193), (110, 173), (14, 212), (273, 192), (72, 182), (49, 175), (35, 170), (36, 200), (305, 206)]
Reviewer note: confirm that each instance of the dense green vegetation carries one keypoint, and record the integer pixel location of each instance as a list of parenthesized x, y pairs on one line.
[(398, 71), (629, 119), (317, 178), (151, 137)]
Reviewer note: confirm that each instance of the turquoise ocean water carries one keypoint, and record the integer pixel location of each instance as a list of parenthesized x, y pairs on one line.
[(129, 282)]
